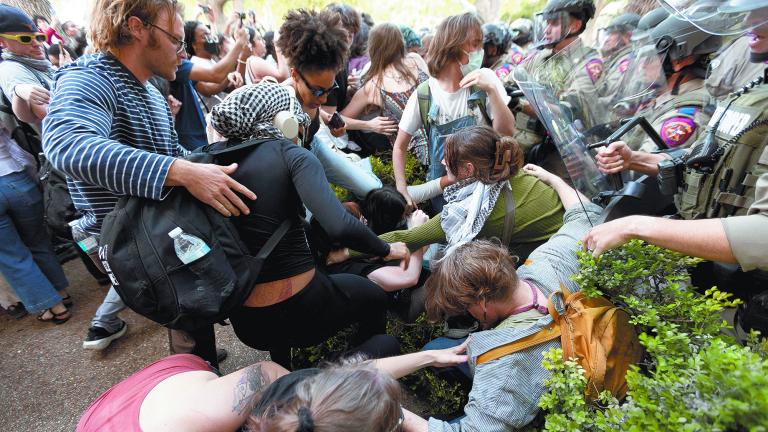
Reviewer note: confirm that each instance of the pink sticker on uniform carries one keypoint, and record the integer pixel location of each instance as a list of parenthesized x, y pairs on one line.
[(677, 130), (624, 64), (503, 71), (517, 58), (594, 69)]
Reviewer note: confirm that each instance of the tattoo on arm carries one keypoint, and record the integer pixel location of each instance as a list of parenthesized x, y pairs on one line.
[(251, 382)]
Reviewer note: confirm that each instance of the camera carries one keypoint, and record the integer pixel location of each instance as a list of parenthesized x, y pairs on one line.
[(206, 9)]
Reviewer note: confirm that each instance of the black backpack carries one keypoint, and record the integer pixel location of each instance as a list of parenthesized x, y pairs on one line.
[(141, 262)]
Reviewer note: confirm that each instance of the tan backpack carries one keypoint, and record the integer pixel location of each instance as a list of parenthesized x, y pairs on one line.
[(595, 333)]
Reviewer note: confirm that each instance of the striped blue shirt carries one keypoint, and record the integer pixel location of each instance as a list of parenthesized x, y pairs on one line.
[(110, 134)]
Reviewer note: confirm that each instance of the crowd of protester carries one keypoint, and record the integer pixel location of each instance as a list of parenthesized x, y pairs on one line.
[(488, 230)]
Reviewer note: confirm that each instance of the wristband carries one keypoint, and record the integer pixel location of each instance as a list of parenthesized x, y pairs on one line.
[(242, 61)]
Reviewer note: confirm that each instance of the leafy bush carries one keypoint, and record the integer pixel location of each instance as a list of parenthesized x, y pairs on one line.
[(695, 377)]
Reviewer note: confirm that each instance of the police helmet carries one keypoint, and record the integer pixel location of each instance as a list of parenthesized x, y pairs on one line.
[(494, 34), (679, 38), (520, 30), (623, 23)]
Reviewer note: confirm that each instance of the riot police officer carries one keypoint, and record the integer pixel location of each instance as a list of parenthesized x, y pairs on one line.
[(496, 40), (616, 50), (721, 182), (520, 32), (677, 52)]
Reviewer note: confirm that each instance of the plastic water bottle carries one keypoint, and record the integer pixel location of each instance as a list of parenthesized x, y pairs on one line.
[(188, 247), (88, 243)]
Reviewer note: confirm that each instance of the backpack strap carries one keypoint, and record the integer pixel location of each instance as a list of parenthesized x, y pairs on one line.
[(273, 240), (548, 333), (221, 147), (509, 216), (424, 95)]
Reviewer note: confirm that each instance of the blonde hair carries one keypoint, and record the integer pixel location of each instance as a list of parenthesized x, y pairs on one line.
[(346, 398), (474, 271), (109, 20), (450, 35)]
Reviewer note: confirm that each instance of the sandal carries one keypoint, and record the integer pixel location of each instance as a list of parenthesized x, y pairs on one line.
[(67, 301), (56, 318)]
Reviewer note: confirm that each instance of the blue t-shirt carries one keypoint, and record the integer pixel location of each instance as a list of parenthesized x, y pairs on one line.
[(190, 121)]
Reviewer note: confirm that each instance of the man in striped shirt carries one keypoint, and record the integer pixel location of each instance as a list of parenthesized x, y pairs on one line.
[(113, 135)]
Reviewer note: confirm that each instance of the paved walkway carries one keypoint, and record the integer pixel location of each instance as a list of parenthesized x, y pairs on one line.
[(47, 379)]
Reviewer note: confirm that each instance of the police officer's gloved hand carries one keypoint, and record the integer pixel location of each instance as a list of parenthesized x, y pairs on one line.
[(513, 91)]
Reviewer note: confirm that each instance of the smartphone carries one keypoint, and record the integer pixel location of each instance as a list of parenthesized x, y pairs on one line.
[(336, 121)]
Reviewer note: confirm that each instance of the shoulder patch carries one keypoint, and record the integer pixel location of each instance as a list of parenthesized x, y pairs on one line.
[(594, 69), (676, 130), (504, 71), (624, 64), (517, 58)]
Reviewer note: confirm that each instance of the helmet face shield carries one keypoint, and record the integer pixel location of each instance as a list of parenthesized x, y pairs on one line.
[(549, 28), (610, 40), (642, 81), (723, 17)]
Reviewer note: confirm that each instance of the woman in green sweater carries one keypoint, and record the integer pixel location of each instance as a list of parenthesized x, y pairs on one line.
[(491, 197)]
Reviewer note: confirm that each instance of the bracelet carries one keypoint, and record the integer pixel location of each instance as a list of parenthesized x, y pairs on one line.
[(242, 62)]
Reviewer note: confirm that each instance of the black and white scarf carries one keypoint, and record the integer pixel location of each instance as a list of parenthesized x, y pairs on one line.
[(248, 112), (469, 202), (37, 67)]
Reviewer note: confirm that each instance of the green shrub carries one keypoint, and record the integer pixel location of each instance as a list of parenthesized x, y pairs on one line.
[(695, 378)]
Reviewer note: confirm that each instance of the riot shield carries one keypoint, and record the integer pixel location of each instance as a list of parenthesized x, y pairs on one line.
[(722, 17), (568, 121)]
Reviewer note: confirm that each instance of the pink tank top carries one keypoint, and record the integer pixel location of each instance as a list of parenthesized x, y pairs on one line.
[(117, 409)]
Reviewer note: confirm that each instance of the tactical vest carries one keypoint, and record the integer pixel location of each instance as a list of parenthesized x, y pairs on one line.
[(742, 136)]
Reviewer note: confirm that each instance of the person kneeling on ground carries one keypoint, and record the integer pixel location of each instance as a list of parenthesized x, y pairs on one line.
[(292, 304), (479, 277)]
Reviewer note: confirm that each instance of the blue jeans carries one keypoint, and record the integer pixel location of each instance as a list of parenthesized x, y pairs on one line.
[(26, 258), (357, 177), (106, 315)]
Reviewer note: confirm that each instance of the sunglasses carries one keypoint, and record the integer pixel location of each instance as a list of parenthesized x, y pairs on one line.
[(180, 44), (318, 91), (25, 38)]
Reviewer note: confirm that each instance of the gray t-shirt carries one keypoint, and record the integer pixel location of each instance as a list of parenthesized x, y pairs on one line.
[(13, 73)]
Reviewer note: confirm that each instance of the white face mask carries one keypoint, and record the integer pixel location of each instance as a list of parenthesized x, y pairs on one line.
[(474, 63)]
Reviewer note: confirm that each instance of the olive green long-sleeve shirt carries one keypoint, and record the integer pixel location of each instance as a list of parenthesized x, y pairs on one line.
[(538, 215)]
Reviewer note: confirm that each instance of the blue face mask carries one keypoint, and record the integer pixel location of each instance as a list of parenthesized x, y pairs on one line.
[(474, 63)]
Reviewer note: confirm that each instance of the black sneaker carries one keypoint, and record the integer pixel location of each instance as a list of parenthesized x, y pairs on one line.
[(17, 311), (99, 338)]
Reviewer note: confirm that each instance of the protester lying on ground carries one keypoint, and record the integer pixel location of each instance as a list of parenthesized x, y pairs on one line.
[(181, 392), (300, 306), (454, 62), (479, 277), (485, 166)]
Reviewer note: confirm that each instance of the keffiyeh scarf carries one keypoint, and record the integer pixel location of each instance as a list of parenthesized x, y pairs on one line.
[(468, 204), (249, 112)]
